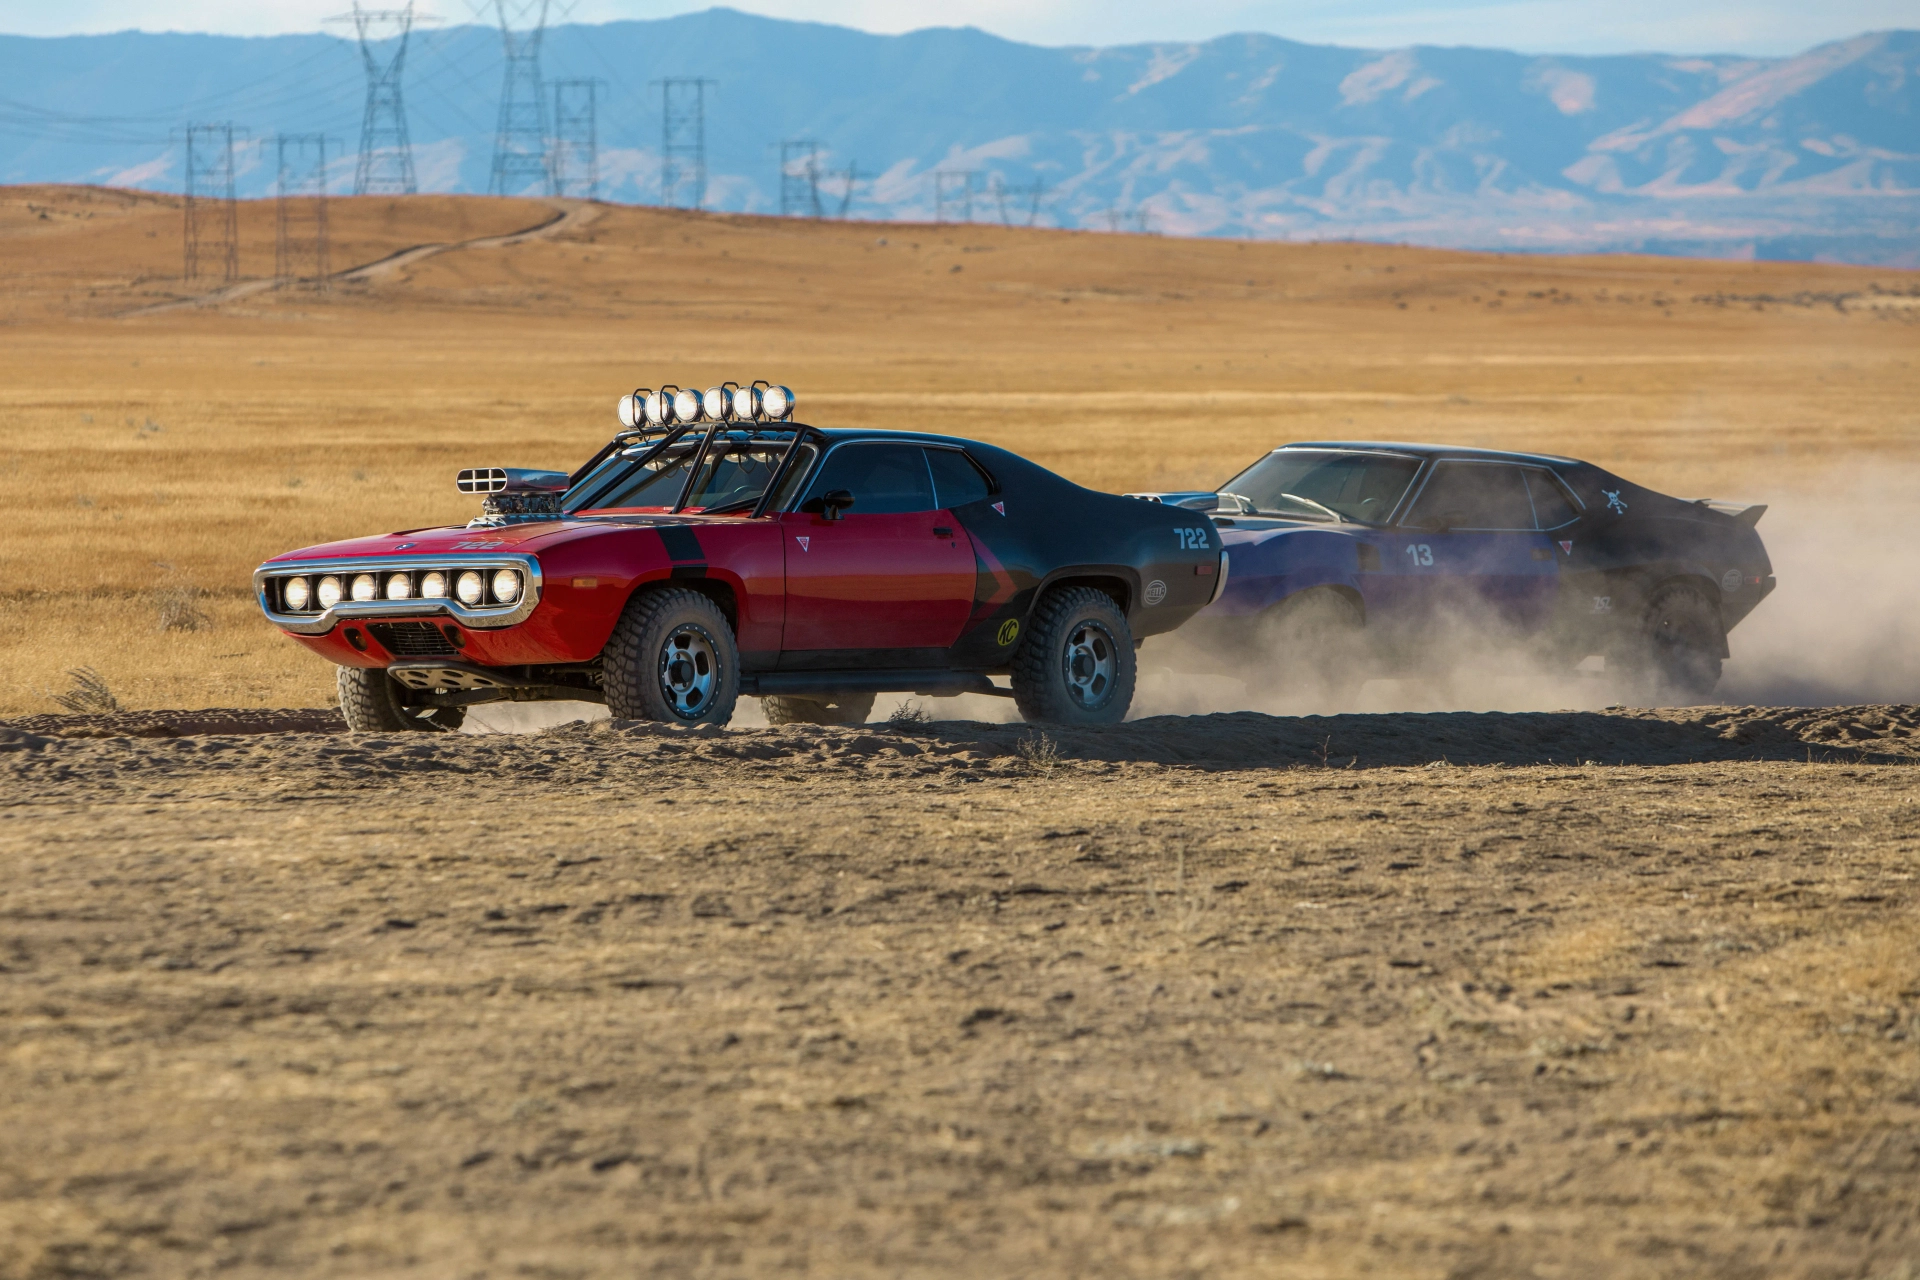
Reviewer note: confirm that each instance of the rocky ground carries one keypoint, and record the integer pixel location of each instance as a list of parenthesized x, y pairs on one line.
[(1617, 993)]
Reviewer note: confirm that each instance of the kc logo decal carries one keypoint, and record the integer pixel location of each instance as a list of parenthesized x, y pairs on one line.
[(803, 542), (1009, 632)]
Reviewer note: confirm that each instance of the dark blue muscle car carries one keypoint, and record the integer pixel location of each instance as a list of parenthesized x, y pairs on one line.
[(1348, 560)]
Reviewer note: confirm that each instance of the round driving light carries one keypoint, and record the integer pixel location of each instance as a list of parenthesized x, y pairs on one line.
[(686, 405), (630, 411), (746, 402), (471, 587), (506, 585), (655, 408), (433, 586), (298, 593), (714, 404), (778, 401), (364, 586), (329, 592), (400, 586)]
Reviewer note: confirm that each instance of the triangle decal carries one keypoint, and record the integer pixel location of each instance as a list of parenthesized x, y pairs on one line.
[(1001, 507), (803, 542), (1567, 547)]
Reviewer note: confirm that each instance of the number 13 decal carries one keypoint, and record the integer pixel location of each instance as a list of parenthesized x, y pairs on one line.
[(1421, 554)]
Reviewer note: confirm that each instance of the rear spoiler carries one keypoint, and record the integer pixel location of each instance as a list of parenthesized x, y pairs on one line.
[(1747, 514)]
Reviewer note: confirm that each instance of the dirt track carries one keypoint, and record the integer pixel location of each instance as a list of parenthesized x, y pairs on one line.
[(1177, 1001)]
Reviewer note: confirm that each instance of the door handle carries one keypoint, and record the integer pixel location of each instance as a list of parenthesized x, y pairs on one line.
[(941, 531)]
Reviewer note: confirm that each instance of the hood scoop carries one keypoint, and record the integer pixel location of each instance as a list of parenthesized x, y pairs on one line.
[(514, 493)]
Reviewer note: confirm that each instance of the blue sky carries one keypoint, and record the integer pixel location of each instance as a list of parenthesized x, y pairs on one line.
[(1760, 27)]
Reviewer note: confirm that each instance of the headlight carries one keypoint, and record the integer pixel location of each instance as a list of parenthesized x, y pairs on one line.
[(777, 401), (715, 403), (329, 592), (630, 411), (400, 587), (506, 585), (365, 587), (433, 586), (655, 406), (746, 402), (297, 593), (471, 587)]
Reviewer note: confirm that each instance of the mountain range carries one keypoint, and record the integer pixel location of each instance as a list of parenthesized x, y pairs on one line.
[(1815, 156)]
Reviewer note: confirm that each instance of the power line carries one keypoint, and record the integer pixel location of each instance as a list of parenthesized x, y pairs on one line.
[(211, 213), (302, 178), (1004, 191), (576, 135), (683, 140)]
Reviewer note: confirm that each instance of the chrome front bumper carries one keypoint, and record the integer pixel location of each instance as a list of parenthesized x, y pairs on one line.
[(320, 622)]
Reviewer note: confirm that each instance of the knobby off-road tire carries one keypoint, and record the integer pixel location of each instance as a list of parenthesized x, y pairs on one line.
[(672, 657), (852, 709), (1312, 642), (370, 700), (1076, 664), (1675, 658)]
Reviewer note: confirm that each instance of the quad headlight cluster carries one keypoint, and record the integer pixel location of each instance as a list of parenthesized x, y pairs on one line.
[(475, 588), (672, 406)]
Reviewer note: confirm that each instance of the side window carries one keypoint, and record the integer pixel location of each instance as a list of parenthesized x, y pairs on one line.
[(1551, 506), (1474, 495), (956, 479), (884, 479)]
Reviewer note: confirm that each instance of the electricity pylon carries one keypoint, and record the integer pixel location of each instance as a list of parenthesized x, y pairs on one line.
[(520, 151), (800, 178), (683, 141), (386, 153), (212, 213), (576, 144), (302, 177)]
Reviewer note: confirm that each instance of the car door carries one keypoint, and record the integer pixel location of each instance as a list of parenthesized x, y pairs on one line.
[(891, 580), (1471, 550)]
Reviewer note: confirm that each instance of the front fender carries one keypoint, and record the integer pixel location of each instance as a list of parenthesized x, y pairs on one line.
[(1270, 566)]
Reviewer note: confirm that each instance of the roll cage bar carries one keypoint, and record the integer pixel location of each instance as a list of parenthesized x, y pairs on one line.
[(655, 441)]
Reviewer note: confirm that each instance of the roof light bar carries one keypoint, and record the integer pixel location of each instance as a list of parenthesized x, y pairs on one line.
[(729, 402)]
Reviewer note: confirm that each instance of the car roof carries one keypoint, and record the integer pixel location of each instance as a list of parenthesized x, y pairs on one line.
[(1429, 450), (837, 434)]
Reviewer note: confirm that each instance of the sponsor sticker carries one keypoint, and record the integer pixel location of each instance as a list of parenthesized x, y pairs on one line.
[(1613, 500), (1730, 580), (1156, 592), (1009, 632), (1603, 604)]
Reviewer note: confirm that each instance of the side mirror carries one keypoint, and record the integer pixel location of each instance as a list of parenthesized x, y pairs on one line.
[(832, 504)]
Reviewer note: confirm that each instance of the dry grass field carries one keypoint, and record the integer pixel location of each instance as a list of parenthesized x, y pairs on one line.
[(152, 456), (1559, 994)]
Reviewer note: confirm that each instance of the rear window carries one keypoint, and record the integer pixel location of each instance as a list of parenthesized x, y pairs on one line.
[(956, 479), (1551, 506)]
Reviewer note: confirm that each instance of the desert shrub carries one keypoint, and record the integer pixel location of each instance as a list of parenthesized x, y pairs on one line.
[(89, 693), (180, 610), (908, 715), (1040, 751)]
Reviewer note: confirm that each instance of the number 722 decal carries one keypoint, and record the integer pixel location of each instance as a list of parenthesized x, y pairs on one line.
[(1192, 539)]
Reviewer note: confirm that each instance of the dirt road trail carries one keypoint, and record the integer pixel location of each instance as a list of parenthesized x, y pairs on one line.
[(614, 1001)]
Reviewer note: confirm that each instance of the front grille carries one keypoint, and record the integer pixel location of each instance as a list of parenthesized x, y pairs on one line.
[(412, 639)]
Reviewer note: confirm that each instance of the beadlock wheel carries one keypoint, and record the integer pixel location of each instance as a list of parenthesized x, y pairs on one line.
[(672, 657), (1075, 664)]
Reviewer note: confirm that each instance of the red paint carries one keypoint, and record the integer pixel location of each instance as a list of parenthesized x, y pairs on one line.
[(876, 581)]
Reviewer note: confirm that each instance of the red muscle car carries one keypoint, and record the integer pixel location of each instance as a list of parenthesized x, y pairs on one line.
[(715, 547)]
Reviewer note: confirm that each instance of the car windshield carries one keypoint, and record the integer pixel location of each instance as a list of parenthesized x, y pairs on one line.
[(1322, 484), (732, 478)]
